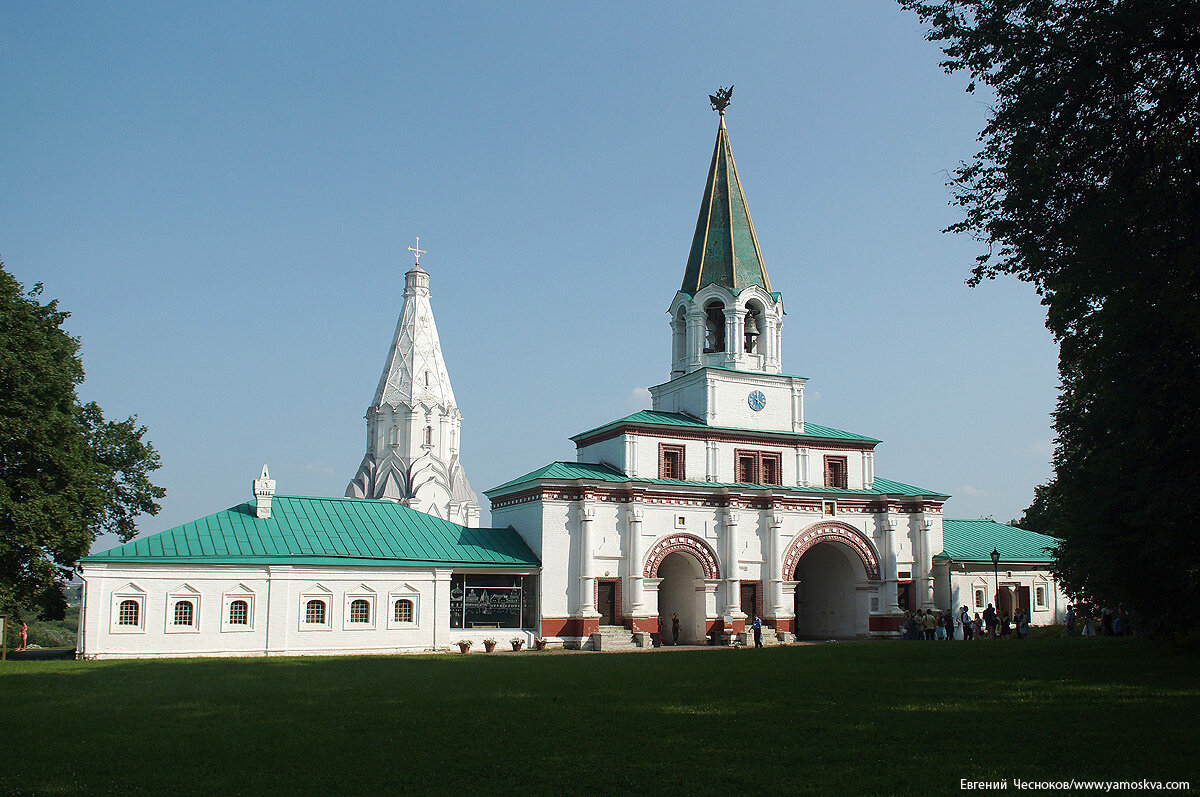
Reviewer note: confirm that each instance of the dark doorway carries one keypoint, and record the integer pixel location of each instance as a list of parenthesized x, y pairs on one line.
[(750, 599), (606, 602), (1023, 600)]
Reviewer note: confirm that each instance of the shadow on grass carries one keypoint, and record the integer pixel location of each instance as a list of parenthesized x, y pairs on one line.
[(862, 717)]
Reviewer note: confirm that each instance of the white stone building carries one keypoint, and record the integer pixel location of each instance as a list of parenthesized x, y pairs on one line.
[(720, 503)]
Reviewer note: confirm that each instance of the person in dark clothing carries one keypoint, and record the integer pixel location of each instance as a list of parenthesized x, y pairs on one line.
[(675, 628), (757, 626), (989, 620), (948, 622)]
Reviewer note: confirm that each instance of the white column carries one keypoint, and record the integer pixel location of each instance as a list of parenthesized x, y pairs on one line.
[(711, 465), (679, 354), (774, 578), (888, 555), (734, 340), (797, 409), (587, 596), (925, 568), (732, 570), (695, 337), (633, 559), (444, 437), (630, 455), (802, 466)]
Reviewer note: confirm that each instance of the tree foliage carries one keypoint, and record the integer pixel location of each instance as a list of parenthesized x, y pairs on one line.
[(66, 474), (1088, 187)]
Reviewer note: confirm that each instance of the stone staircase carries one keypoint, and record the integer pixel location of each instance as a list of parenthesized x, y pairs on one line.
[(612, 638), (769, 638)]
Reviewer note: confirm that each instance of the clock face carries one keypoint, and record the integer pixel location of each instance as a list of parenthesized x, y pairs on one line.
[(757, 400)]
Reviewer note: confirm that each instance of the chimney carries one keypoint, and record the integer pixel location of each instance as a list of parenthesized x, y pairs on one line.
[(264, 488)]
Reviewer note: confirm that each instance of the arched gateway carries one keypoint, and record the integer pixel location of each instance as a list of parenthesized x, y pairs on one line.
[(683, 563), (827, 561)]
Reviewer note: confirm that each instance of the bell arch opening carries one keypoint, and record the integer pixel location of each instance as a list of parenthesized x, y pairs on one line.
[(714, 327), (754, 328)]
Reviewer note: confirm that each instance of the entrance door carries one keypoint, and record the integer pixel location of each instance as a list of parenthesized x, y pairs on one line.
[(1023, 600), (606, 602), (749, 599)]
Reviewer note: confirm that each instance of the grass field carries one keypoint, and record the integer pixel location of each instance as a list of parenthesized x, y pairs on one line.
[(858, 718)]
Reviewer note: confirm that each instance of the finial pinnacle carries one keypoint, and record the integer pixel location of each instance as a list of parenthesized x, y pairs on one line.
[(417, 251), (720, 101)]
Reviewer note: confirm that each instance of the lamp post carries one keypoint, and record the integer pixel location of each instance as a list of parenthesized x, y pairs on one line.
[(996, 575)]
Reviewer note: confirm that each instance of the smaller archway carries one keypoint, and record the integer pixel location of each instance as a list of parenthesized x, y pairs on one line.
[(681, 597), (714, 327), (826, 599), (754, 328)]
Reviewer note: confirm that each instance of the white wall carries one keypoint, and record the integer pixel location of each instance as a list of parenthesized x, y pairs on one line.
[(277, 595)]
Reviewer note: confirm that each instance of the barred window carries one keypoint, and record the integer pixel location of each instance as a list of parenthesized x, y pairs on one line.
[(360, 611), (314, 612), (239, 613), (404, 611), (127, 613), (183, 612), (1040, 597), (978, 599)]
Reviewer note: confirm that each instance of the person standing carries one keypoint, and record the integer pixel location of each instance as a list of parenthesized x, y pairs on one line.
[(757, 626), (1023, 626), (989, 620), (964, 619), (24, 635), (675, 628), (948, 623), (930, 624), (1070, 621)]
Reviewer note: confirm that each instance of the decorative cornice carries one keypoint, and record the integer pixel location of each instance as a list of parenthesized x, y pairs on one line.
[(749, 437)]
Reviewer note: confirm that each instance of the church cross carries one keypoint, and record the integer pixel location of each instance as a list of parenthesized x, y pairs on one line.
[(417, 251)]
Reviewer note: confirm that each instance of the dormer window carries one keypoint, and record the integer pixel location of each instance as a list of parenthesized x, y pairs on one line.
[(670, 462), (835, 472)]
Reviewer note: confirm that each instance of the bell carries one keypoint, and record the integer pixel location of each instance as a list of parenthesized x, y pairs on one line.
[(752, 323)]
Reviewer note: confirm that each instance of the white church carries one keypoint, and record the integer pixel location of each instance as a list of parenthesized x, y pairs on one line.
[(720, 503)]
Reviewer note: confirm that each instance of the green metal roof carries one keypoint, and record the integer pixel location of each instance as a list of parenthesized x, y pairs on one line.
[(325, 531), (724, 248), (675, 419), (572, 471), (973, 541)]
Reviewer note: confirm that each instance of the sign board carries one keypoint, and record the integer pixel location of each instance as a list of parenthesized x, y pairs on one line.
[(3, 637)]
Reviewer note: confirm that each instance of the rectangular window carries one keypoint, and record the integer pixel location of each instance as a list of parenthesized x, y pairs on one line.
[(1039, 597), (835, 472), (771, 468), (670, 462), (978, 599), (747, 469), (491, 601)]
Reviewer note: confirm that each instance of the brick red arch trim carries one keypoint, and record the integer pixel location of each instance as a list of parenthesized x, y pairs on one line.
[(686, 543), (831, 531)]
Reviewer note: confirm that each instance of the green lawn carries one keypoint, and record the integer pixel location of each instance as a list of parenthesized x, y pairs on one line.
[(866, 717)]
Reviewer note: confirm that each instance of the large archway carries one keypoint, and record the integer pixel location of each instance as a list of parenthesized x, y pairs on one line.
[(681, 594), (826, 598)]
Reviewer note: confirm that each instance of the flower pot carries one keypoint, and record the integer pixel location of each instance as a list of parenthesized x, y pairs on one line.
[(518, 644), (489, 646), (539, 644), (464, 647)]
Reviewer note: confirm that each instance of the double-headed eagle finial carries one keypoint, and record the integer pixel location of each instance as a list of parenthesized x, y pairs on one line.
[(720, 100)]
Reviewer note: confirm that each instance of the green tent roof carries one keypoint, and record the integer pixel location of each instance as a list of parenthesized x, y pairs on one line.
[(724, 248), (669, 419), (973, 541), (325, 531), (573, 471)]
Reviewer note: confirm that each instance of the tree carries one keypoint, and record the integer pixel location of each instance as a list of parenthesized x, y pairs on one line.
[(66, 474), (1088, 187)]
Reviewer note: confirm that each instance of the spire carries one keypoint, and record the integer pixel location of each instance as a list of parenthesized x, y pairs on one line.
[(724, 248), (413, 422)]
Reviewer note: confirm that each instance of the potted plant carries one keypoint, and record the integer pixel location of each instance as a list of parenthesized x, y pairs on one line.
[(539, 643), (489, 645), (517, 642), (464, 646)]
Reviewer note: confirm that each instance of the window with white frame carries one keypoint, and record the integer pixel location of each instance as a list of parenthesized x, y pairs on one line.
[(403, 611), (239, 612), (1039, 597), (129, 612), (184, 613), (314, 612), (978, 599), (360, 610)]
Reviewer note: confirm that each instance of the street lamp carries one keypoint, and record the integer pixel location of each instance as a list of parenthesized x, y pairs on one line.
[(996, 575)]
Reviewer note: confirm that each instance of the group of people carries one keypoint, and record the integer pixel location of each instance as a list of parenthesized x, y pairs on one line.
[(941, 624), (1112, 622)]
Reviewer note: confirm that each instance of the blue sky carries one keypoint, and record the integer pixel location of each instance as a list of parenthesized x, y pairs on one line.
[(223, 194)]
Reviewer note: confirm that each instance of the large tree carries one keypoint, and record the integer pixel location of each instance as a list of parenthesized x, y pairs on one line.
[(66, 474), (1088, 187)]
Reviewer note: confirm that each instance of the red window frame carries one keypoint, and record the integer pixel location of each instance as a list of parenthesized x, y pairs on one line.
[(832, 477), (756, 461), (667, 451)]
